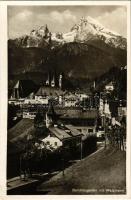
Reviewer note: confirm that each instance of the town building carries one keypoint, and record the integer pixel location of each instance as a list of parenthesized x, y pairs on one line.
[(71, 124), (70, 100), (109, 87), (51, 143), (50, 116), (122, 111), (82, 96), (22, 88), (70, 137), (59, 134), (44, 93), (29, 115), (85, 121)]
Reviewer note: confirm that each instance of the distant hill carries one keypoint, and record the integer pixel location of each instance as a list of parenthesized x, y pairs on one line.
[(118, 77)]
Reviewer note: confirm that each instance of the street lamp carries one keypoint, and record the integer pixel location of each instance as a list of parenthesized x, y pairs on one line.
[(63, 163), (104, 125), (81, 146)]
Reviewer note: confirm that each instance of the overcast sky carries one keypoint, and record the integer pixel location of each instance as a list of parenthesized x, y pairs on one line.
[(22, 19)]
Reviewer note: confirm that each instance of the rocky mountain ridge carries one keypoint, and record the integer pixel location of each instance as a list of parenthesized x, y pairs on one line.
[(85, 31), (87, 51)]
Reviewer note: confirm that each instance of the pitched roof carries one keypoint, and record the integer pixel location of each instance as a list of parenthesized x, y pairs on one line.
[(66, 132), (59, 133), (75, 114), (17, 85), (110, 84), (73, 130), (49, 91)]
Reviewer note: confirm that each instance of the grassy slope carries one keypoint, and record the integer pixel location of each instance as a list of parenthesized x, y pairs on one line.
[(21, 128), (104, 170)]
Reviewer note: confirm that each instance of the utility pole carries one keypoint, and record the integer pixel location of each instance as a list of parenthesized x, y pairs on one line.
[(63, 162), (90, 102), (81, 146), (104, 122), (105, 129), (63, 173)]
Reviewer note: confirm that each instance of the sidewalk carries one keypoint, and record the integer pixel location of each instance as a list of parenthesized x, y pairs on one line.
[(15, 184)]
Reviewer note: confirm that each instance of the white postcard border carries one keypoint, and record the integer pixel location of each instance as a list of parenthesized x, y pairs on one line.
[(4, 101)]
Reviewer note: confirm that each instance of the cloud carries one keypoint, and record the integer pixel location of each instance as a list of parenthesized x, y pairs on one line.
[(19, 23), (115, 20), (68, 15), (61, 19), (26, 20), (58, 17), (24, 15), (58, 21)]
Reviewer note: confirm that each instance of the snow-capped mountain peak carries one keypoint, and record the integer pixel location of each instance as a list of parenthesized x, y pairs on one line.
[(90, 29), (91, 25), (85, 31), (42, 31)]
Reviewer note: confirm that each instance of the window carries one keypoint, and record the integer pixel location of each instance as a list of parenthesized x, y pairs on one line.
[(90, 130), (55, 143), (48, 142)]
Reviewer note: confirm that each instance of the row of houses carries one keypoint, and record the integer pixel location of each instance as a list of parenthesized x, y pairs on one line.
[(26, 92), (67, 127), (45, 93)]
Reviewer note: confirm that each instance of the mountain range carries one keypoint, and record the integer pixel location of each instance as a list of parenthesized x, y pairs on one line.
[(86, 51)]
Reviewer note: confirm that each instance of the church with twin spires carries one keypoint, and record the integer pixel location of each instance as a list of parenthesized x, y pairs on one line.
[(52, 82)]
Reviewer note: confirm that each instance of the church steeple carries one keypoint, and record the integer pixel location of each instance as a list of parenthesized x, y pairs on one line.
[(17, 91), (48, 80), (53, 82), (60, 81), (50, 116)]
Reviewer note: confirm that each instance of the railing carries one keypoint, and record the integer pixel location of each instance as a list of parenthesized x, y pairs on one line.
[(117, 139)]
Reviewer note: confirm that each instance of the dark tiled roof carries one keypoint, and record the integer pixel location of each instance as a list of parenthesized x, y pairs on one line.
[(59, 133), (66, 132), (89, 114), (73, 130), (48, 91)]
